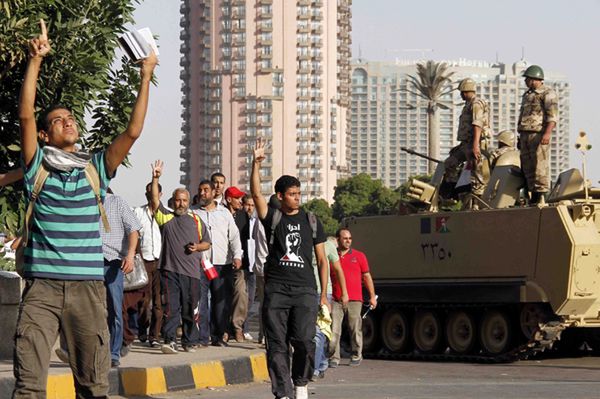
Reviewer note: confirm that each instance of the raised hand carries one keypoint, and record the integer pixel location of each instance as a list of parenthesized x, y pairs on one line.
[(40, 46), (259, 150), (157, 168), (148, 64)]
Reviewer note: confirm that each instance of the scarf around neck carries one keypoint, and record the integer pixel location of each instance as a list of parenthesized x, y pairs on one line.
[(59, 160)]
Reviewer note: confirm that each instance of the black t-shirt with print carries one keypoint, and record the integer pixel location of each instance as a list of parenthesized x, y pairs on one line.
[(290, 258)]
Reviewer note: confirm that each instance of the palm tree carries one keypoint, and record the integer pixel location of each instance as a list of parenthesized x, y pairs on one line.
[(432, 84)]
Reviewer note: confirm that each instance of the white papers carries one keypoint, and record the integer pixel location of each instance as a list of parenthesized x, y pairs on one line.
[(137, 44)]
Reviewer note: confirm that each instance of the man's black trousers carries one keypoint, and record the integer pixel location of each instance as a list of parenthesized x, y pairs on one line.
[(289, 317), (180, 299)]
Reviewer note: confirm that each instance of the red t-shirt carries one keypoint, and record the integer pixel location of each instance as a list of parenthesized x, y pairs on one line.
[(354, 264)]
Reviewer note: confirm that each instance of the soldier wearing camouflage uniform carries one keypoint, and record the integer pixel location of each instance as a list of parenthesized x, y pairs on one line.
[(473, 130), (537, 119), (506, 143)]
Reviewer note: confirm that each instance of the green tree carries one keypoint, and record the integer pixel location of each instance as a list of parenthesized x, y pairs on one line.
[(77, 74), (432, 83), (361, 195), (321, 208)]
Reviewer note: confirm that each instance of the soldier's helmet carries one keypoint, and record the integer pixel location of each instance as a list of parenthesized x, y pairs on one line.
[(534, 72), (467, 84), (507, 137)]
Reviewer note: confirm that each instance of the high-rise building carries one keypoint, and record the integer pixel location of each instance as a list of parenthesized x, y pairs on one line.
[(385, 115), (263, 68)]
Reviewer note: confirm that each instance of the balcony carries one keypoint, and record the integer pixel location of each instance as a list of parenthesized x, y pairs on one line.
[(237, 28), (316, 15), (235, 14), (265, 27), (265, 14), (303, 15), (303, 29), (264, 42), (302, 124)]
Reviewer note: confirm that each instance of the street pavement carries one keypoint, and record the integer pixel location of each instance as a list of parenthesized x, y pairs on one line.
[(385, 379)]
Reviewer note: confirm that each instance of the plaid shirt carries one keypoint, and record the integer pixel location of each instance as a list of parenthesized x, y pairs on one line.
[(123, 222)]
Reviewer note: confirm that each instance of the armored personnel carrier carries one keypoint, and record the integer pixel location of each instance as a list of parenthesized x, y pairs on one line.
[(495, 284)]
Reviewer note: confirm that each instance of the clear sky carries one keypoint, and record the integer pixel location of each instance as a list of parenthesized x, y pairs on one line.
[(561, 36)]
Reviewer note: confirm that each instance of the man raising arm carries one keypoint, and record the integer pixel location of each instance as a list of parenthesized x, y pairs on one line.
[(290, 306)]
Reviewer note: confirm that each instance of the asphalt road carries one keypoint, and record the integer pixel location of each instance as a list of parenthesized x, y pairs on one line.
[(380, 379)]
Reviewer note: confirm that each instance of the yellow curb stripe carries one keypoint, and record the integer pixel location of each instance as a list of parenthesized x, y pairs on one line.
[(60, 387), (210, 374), (259, 367), (143, 381)]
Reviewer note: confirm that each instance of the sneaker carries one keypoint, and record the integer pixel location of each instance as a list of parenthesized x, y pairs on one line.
[(154, 343), (333, 364), (143, 338), (248, 336), (354, 362), (220, 343), (62, 354), (190, 348), (169, 349), (301, 392), (125, 350), (114, 363)]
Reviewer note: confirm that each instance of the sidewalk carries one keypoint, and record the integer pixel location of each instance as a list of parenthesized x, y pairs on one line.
[(147, 371)]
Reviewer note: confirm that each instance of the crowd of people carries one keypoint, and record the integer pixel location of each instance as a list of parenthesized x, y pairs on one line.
[(207, 259)]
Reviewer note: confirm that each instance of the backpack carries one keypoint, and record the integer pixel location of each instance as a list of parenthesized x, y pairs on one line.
[(312, 220), (41, 175)]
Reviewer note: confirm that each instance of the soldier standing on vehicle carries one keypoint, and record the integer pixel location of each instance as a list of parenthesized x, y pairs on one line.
[(473, 130), (537, 119)]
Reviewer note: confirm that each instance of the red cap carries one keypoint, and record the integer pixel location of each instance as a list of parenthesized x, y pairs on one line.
[(234, 192)]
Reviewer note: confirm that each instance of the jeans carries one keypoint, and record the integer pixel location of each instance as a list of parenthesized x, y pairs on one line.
[(204, 322), (113, 280), (321, 361)]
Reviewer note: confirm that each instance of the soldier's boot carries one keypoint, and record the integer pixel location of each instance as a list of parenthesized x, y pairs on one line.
[(535, 197)]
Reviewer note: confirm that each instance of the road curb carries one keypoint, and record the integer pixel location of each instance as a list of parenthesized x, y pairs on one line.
[(143, 381)]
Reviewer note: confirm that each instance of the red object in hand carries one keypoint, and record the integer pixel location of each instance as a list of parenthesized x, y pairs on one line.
[(209, 269)]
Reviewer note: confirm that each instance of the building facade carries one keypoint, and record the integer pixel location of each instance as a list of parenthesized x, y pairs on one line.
[(262, 68), (385, 115)]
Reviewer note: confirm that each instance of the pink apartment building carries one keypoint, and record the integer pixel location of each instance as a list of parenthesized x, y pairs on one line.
[(278, 69)]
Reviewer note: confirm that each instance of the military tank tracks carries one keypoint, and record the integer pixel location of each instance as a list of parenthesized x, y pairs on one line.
[(468, 333)]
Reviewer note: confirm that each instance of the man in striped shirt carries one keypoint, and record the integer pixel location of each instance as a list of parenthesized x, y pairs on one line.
[(64, 267)]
